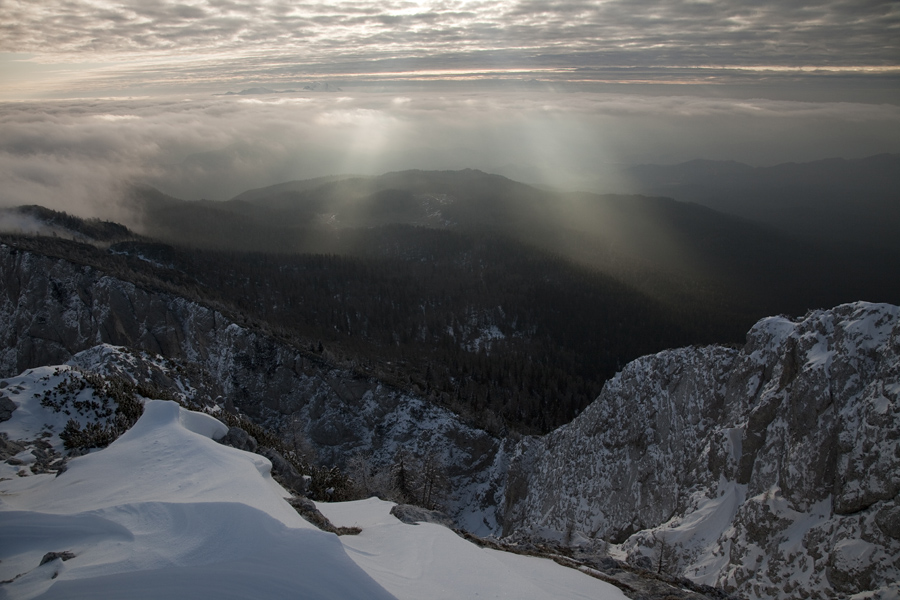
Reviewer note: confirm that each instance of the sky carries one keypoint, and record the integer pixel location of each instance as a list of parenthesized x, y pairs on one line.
[(96, 95)]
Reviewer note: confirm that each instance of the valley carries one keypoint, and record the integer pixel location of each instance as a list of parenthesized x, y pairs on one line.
[(541, 381)]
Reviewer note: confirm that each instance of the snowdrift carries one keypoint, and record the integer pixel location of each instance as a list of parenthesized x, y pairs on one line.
[(166, 512)]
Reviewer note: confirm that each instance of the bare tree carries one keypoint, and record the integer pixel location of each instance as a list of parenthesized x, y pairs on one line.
[(434, 482), (666, 554), (298, 442), (403, 477), (360, 471)]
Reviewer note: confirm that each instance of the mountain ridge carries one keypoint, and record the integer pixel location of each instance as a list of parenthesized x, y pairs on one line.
[(666, 248), (724, 450), (849, 200), (767, 468), (786, 450)]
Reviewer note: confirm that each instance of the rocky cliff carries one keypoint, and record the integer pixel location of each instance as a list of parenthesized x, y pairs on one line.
[(52, 309), (773, 471)]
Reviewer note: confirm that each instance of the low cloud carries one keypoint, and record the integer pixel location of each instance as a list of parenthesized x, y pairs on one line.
[(80, 156)]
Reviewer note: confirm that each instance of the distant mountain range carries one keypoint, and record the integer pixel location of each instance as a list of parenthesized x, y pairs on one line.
[(669, 249), (834, 200)]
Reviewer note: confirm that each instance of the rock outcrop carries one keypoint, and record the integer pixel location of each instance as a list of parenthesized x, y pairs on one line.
[(773, 471), (51, 310), (413, 515)]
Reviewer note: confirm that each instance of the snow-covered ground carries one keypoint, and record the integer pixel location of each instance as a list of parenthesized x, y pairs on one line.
[(166, 512), (430, 561)]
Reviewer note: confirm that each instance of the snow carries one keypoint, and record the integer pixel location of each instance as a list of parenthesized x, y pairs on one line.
[(871, 324), (881, 405), (485, 338), (854, 553), (775, 330), (30, 418), (889, 592), (166, 512), (796, 531), (430, 561), (820, 355), (697, 533)]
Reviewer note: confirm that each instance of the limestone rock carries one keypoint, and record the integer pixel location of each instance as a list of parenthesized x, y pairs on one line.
[(240, 439), (7, 407), (773, 471), (285, 472), (64, 556), (413, 515)]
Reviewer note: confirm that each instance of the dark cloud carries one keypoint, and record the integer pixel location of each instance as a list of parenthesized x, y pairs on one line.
[(672, 33)]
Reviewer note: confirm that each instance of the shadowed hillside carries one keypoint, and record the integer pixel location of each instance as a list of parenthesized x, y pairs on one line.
[(837, 200)]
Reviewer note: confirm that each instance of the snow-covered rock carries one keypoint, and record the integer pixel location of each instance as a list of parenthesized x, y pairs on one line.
[(773, 471), (53, 311), (166, 512)]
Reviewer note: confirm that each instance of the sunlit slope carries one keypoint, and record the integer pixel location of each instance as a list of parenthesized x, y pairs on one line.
[(479, 324), (672, 250)]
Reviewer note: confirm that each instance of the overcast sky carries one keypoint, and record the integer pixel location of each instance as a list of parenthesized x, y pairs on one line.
[(96, 94)]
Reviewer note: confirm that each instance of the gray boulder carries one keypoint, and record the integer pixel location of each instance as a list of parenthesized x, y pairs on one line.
[(7, 407), (285, 473), (240, 439), (413, 515)]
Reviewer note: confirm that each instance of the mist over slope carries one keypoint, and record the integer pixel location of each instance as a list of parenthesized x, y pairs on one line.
[(672, 250), (479, 291), (479, 325)]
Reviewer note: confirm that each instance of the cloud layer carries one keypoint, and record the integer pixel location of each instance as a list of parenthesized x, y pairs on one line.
[(518, 87), (169, 42), (678, 32), (78, 156)]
